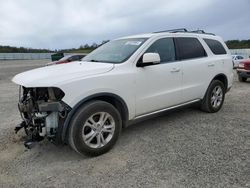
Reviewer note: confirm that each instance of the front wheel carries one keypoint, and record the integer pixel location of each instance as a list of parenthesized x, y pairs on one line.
[(214, 97), (95, 128)]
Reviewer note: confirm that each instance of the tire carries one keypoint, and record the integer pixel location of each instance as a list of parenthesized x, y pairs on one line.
[(212, 102), (91, 136), (242, 79)]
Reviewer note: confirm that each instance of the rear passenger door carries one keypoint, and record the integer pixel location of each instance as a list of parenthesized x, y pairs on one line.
[(195, 67)]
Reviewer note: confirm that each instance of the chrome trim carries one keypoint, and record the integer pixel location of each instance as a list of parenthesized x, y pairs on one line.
[(242, 70), (165, 109)]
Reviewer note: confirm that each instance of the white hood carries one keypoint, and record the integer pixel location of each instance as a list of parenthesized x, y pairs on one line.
[(50, 76)]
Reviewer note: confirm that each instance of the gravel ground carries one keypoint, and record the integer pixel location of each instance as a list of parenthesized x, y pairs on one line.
[(183, 148)]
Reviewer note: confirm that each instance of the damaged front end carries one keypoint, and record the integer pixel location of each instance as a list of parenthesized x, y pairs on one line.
[(43, 113)]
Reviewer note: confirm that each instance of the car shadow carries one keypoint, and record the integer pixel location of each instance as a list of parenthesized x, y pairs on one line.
[(49, 152)]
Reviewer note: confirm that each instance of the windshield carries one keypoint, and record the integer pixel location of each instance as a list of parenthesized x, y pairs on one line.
[(116, 51)]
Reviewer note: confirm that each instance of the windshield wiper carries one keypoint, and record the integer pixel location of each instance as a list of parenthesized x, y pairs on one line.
[(93, 60)]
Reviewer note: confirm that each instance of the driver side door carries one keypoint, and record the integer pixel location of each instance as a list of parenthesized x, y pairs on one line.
[(159, 86)]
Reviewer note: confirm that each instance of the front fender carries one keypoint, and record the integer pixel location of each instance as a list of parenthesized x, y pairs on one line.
[(65, 128)]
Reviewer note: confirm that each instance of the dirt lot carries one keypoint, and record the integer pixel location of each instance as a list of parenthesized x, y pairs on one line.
[(184, 148)]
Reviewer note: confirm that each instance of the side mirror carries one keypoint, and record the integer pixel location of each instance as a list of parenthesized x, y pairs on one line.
[(150, 59)]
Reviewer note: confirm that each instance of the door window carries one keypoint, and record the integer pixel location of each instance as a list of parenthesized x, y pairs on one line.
[(189, 48), (165, 48)]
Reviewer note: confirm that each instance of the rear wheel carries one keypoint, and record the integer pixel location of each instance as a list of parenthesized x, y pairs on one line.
[(242, 79), (214, 97), (95, 128)]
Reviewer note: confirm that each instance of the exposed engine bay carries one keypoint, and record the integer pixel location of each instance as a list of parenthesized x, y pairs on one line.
[(43, 114)]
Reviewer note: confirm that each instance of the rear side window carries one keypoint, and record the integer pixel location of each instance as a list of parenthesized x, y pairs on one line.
[(215, 46), (189, 48), (165, 48)]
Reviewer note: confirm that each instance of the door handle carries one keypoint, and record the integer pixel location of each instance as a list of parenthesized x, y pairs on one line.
[(175, 70), (211, 65)]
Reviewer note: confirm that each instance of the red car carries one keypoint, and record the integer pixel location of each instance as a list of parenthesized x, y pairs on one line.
[(68, 59), (243, 70)]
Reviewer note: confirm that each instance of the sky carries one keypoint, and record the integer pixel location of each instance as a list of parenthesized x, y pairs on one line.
[(58, 24)]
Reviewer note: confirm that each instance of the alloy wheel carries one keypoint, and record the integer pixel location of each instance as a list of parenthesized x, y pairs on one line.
[(98, 129), (217, 97)]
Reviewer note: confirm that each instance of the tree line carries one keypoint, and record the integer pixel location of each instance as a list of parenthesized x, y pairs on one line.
[(82, 48), (238, 44), (11, 49), (232, 44)]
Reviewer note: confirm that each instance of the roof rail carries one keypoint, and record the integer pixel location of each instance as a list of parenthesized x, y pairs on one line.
[(183, 30), (201, 32), (172, 30)]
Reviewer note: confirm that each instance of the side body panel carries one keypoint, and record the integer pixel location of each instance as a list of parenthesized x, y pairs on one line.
[(198, 73), (158, 86), (120, 81)]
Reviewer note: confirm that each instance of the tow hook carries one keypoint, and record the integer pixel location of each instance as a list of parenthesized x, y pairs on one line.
[(20, 126), (32, 140), (29, 144), (32, 135)]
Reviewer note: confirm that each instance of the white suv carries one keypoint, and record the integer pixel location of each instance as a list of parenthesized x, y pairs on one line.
[(87, 103)]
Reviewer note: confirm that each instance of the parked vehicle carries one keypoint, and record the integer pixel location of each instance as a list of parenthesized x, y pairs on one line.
[(86, 104), (237, 59), (243, 70), (67, 59)]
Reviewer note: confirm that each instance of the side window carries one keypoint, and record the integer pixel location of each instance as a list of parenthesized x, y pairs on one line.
[(240, 57), (215, 46), (165, 48), (189, 48)]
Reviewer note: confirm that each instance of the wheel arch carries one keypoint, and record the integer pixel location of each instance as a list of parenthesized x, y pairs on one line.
[(111, 98), (223, 78)]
